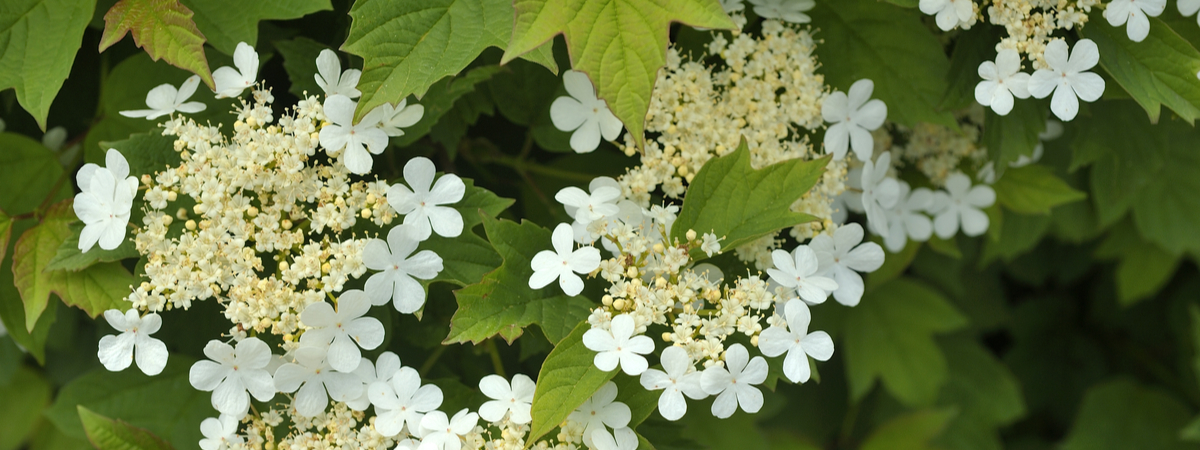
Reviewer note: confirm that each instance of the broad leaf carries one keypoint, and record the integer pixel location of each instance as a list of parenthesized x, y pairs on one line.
[(1020, 234), (147, 153), (96, 289), (1123, 414), (68, 257), (12, 310), (164, 28), (894, 264), (971, 48), (1151, 71), (41, 38), (441, 98), (6, 224), (25, 396), (1033, 189), (29, 170), (567, 379), (33, 252), (300, 63), (980, 385), (911, 431), (227, 22), (109, 434), (1142, 267), (1009, 137)]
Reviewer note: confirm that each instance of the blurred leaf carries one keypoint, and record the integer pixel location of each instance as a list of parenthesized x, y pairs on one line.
[(1021, 233), (979, 385), (567, 379), (30, 171), (894, 264), (33, 252), (1033, 189), (450, 130), (971, 48), (1142, 267), (6, 224), (25, 395), (441, 98), (164, 28), (1011, 136), (68, 257), (227, 22), (41, 38), (1122, 414), (912, 431), (1151, 70), (108, 434), (523, 92), (948, 247), (300, 63)]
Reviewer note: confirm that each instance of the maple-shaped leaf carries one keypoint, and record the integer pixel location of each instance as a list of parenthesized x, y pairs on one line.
[(164, 28), (607, 39)]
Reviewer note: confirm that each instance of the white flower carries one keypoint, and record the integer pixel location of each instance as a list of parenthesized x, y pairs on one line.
[(342, 331), (165, 99), (1067, 78), (404, 401), (710, 244), (312, 376), (732, 5), (514, 399), (618, 345), (786, 10), (906, 221), (1186, 8), (422, 206), (961, 203), (733, 383), (358, 139), (105, 202), (395, 280), (853, 118), (625, 439), (1118, 12), (235, 371), (402, 115), (845, 257), (582, 112), (587, 208), (678, 380), (949, 12), (332, 80), (879, 192), (381, 372), (116, 352), (442, 433), (798, 271), (794, 339), (599, 411), (563, 262), (219, 433), (231, 82), (1002, 80)]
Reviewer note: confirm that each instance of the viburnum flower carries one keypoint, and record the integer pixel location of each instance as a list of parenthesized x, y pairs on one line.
[(733, 383), (853, 118), (219, 433), (343, 331), (165, 99), (1134, 12), (1189, 7), (961, 203), (798, 270), (599, 411), (232, 372), (442, 433), (843, 256), (583, 113), (949, 13), (732, 5), (311, 377), (1002, 80), (1066, 77), (358, 140), (117, 352), (795, 340), (710, 244), (879, 192), (618, 345), (678, 380), (106, 201), (332, 80), (422, 206), (563, 262), (785, 10), (625, 439), (403, 115), (514, 399), (380, 372), (588, 207), (906, 220), (397, 269), (231, 82), (404, 401)]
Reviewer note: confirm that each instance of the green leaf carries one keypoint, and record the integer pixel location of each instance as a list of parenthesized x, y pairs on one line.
[(889, 336), (948, 247), (1033, 189), (567, 379), (6, 224), (731, 199), (1122, 414), (1020, 234), (868, 39), (450, 130), (1191, 432), (1194, 313), (1011, 136), (227, 22), (1142, 268), (620, 45), (147, 153), (30, 170), (68, 257), (109, 434), (300, 63), (34, 250), (440, 100), (408, 45), (503, 303), (980, 385), (25, 396), (523, 92), (911, 431), (96, 289), (41, 38), (164, 28), (640, 401), (971, 48), (894, 264), (465, 259), (12, 310)]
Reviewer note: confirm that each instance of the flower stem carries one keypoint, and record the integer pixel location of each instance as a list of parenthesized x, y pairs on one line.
[(490, 347)]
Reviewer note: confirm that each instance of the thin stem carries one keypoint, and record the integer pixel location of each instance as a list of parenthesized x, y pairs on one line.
[(431, 360), (497, 364)]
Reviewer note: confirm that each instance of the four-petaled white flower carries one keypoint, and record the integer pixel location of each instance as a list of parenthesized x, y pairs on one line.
[(1119, 12), (1002, 80), (358, 139), (563, 262), (625, 439), (117, 352), (961, 203), (949, 13), (842, 257), (618, 345), (422, 206), (231, 82), (853, 118), (380, 372), (798, 271), (879, 192), (235, 371), (105, 202), (733, 383), (165, 99), (442, 433), (599, 411), (588, 207), (403, 401), (403, 115), (1067, 77), (583, 113), (906, 220), (342, 331), (310, 377), (795, 340), (219, 433), (678, 380), (785, 10), (395, 280), (514, 399), (332, 80)]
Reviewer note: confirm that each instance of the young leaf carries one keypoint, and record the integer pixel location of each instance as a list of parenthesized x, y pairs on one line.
[(1122, 414), (300, 63), (567, 379), (69, 258), (5, 233), (108, 434), (41, 38), (30, 169), (620, 45), (1034, 189), (12, 310), (910, 431), (34, 250), (25, 396), (980, 385), (164, 28), (96, 289), (227, 22)]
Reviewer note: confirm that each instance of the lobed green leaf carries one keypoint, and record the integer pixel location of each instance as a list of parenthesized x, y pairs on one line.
[(164, 28), (567, 379)]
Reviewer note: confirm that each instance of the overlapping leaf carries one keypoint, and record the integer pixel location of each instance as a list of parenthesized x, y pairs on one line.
[(109, 434), (227, 22), (567, 379), (40, 39), (1160, 70), (164, 28)]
